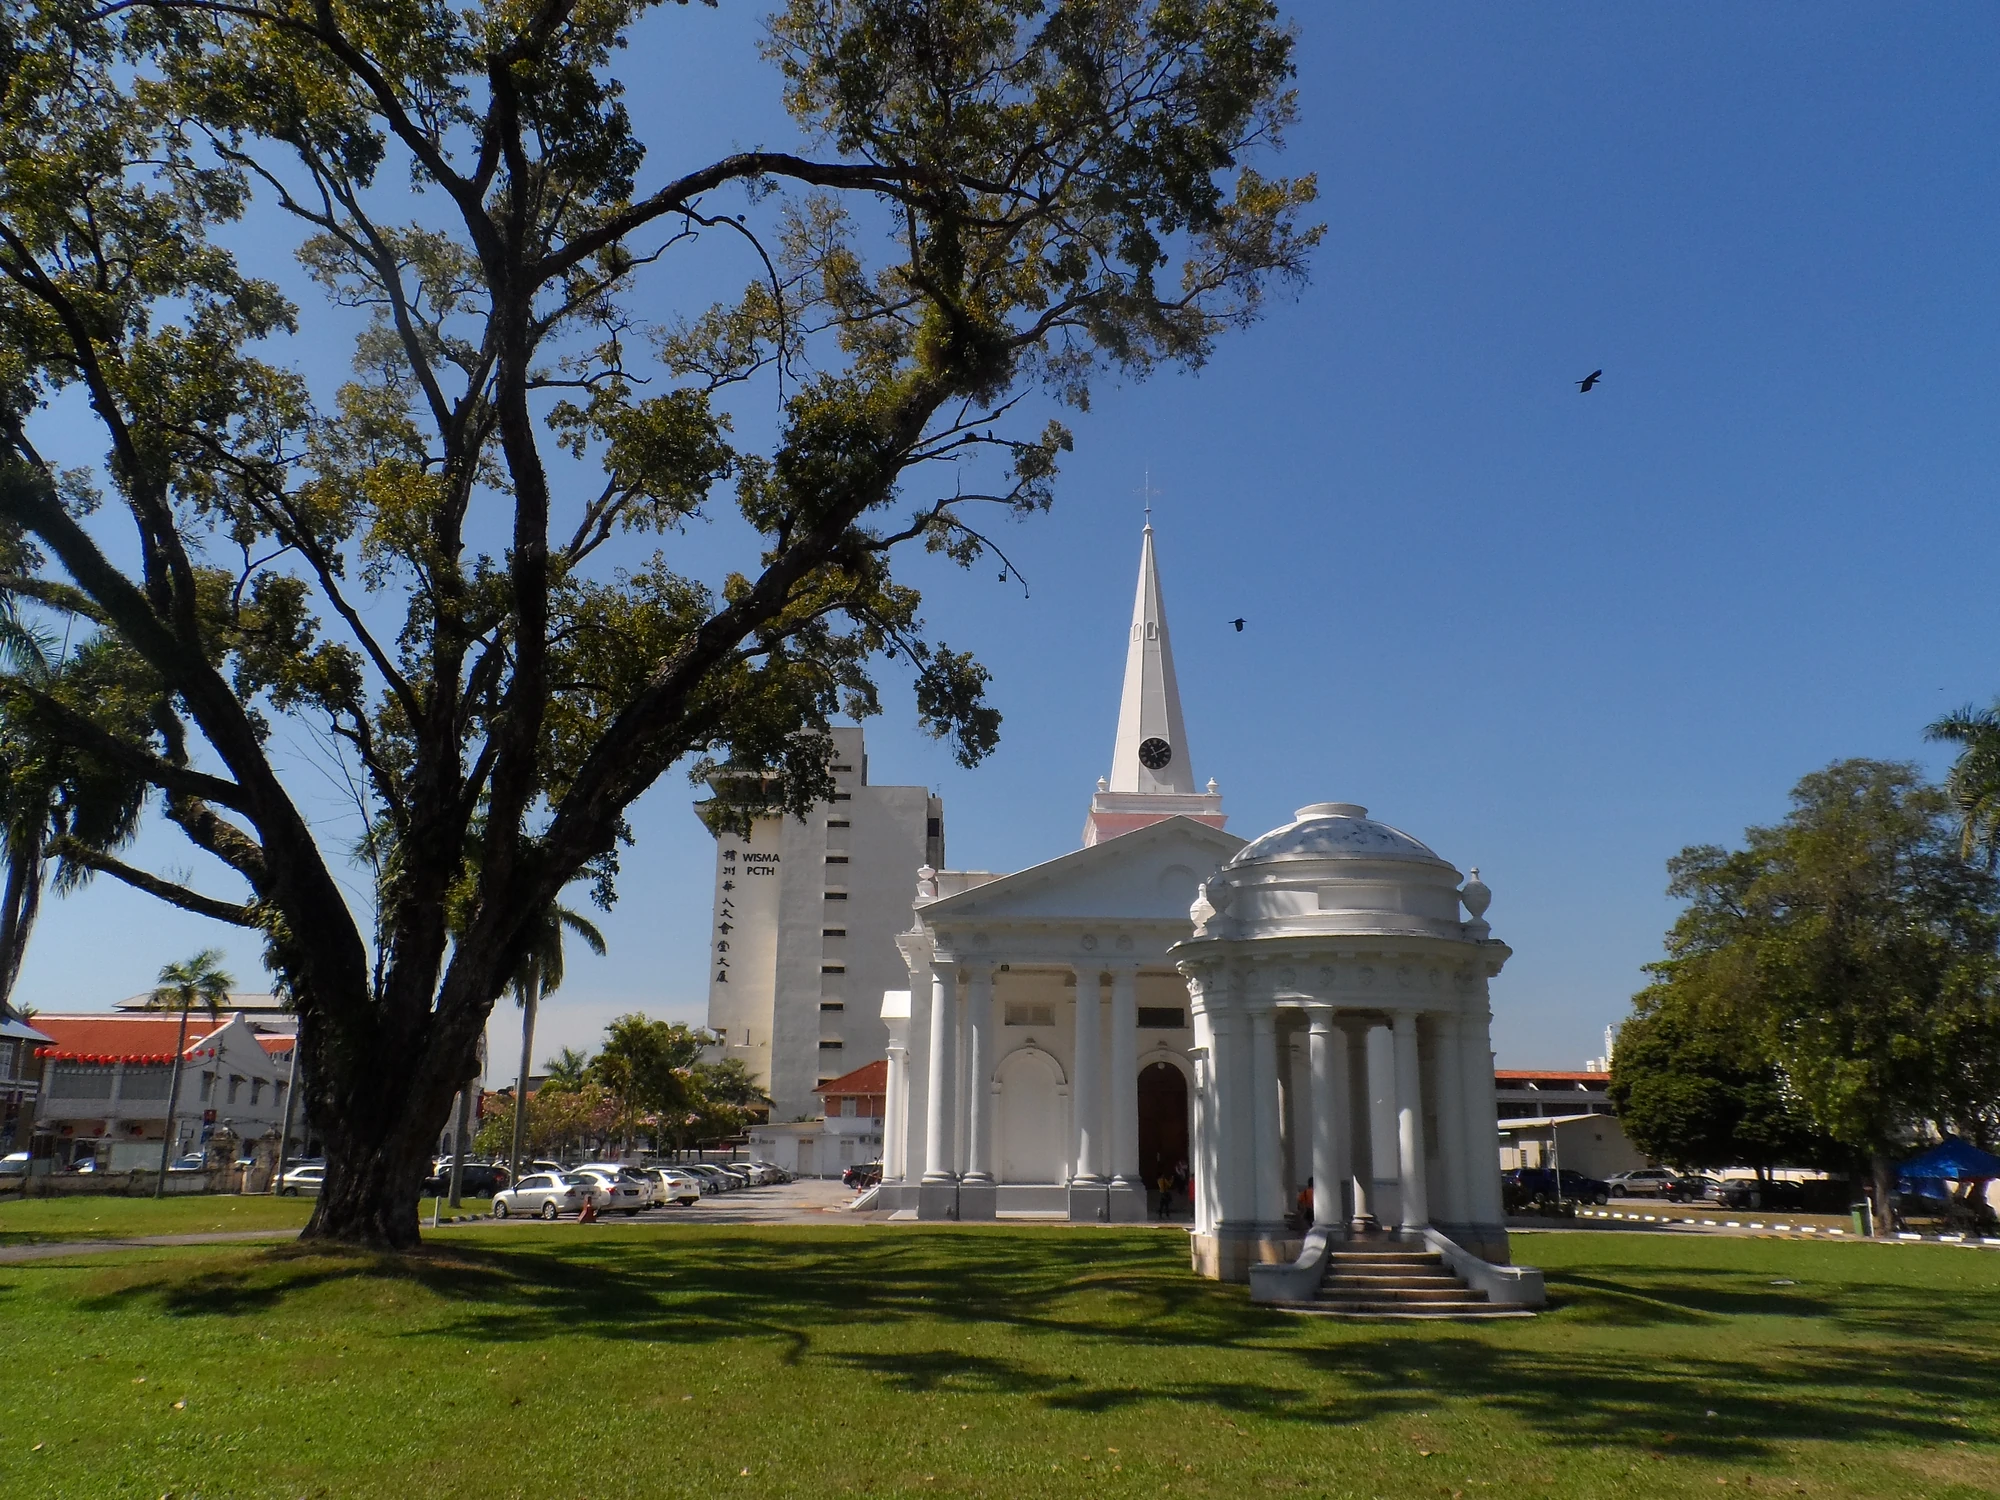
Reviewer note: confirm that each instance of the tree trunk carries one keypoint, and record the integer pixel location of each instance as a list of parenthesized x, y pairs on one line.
[(173, 1101), (381, 1109), (530, 999), (1883, 1172)]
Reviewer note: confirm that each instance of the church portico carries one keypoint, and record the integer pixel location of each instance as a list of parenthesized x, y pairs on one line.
[(1294, 1031)]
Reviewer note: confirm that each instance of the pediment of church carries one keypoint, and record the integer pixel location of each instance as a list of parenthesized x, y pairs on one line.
[(1150, 875)]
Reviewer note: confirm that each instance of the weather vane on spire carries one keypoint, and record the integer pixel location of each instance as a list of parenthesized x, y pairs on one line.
[(1146, 492)]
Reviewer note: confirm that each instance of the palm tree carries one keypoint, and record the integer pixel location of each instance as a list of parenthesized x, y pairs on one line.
[(1974, 782), (193, 980), (541, 973), (567, 1070)]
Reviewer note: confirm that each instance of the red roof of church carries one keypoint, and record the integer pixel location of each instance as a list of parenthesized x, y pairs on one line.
[(869, 1078), (1577, 1075)]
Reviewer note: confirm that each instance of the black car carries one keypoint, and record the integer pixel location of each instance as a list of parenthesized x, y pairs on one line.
[(863, 1174), (1750, 1192), (475, 1180), (1526, 1185)]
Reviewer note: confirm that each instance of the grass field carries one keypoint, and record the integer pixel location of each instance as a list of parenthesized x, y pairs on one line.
[(33, 1221), (668, 1360)]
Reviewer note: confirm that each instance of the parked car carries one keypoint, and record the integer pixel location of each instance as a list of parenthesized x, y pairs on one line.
[(1534, 1190), (1652, 1182), (863, 1174), (620, 1194), (301, 1180), (773, 1172), (1751, 1192), (713, 1178), (627, 1177), (546, 1194), (477, 1179), (671, 1185), (14, 1164), (190, 1161)]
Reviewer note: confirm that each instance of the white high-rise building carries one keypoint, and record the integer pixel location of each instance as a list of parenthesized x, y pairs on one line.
[(803, 936)]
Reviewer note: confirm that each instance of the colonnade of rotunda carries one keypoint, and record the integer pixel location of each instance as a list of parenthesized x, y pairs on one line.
[(1348, 931)]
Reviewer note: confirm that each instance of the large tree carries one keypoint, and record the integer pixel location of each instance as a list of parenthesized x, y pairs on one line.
[(991, 199), (1693, 1085), (1856, 949)]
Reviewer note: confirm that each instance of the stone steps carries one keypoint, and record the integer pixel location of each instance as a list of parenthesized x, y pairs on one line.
[(1402, 1283)]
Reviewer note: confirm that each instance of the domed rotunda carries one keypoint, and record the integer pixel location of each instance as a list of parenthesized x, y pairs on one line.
[(1347, 935)]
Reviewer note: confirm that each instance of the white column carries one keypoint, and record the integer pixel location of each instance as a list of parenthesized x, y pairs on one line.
[(979, 1074), (1231, 1115), (1482, 1161), (938, 1119), (1089, 1090), (1267, 1141), (1452, 1206), (1123, 1082), (1327, 1048), (1380, 1065), (1410, 1124), (895, 1158)]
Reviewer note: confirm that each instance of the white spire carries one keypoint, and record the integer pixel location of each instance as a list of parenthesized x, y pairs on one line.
[(1152, 752)]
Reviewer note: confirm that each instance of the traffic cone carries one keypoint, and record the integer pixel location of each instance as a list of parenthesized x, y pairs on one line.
[(588, 1213)]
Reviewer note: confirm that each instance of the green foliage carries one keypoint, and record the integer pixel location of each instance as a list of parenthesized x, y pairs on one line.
[(199, 980), (1850, 955), (1693, 1086), (1974, 782), (418, 564)]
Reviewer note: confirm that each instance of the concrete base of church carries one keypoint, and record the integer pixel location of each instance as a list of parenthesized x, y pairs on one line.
[(936, 1200), (1127, 1203), (1090, 1205), (1487, 1241), (1229, 1253), (978, 1200)]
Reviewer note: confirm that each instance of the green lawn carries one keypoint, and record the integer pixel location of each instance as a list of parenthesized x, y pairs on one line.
[(27, 1221), (34, 1221), (665, 1360)]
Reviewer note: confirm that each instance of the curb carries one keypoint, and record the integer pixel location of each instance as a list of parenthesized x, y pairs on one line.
[(1971, 1241)]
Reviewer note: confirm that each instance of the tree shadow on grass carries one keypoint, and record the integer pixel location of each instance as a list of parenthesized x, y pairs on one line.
[(1095, 1316)]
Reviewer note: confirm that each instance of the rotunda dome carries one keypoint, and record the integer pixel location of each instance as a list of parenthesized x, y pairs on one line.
[(1333, 871), (1333, 830)]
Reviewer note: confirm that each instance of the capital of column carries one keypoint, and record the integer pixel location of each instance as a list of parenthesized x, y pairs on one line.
[(1319, 1020)]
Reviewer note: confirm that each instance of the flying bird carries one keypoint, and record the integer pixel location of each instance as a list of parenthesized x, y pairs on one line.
[(1589, 380), (1238, 623)]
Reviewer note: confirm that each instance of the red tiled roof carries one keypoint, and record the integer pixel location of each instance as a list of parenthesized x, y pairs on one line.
[(1523, 1074), (113, 1038), (276, 1045), (869, 1078)]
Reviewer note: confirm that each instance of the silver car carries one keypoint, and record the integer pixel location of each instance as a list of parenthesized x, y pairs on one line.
[(673, 1186), (627, 1195), (547, 1194)]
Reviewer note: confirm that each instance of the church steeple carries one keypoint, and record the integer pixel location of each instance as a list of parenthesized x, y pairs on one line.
[(1152, 774), (1151, 752)]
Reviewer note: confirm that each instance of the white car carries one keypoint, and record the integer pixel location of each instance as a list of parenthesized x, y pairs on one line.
[(301, 1180), (14, 1164), (628, 1190), (671, 1186), (548, 1194)]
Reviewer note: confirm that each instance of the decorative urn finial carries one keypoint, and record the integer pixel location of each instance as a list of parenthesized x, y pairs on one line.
[(1476, 895)]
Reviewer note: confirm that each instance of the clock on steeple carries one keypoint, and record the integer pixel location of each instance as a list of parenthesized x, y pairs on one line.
[(1155, 753)]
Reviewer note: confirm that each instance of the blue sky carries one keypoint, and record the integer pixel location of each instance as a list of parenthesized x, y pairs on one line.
[(1554, 635)]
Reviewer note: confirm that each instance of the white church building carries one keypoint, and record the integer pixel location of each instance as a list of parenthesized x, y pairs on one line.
[(1171, 1001)]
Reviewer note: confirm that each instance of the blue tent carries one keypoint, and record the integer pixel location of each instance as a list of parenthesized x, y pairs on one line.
[(1953, 1160)]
